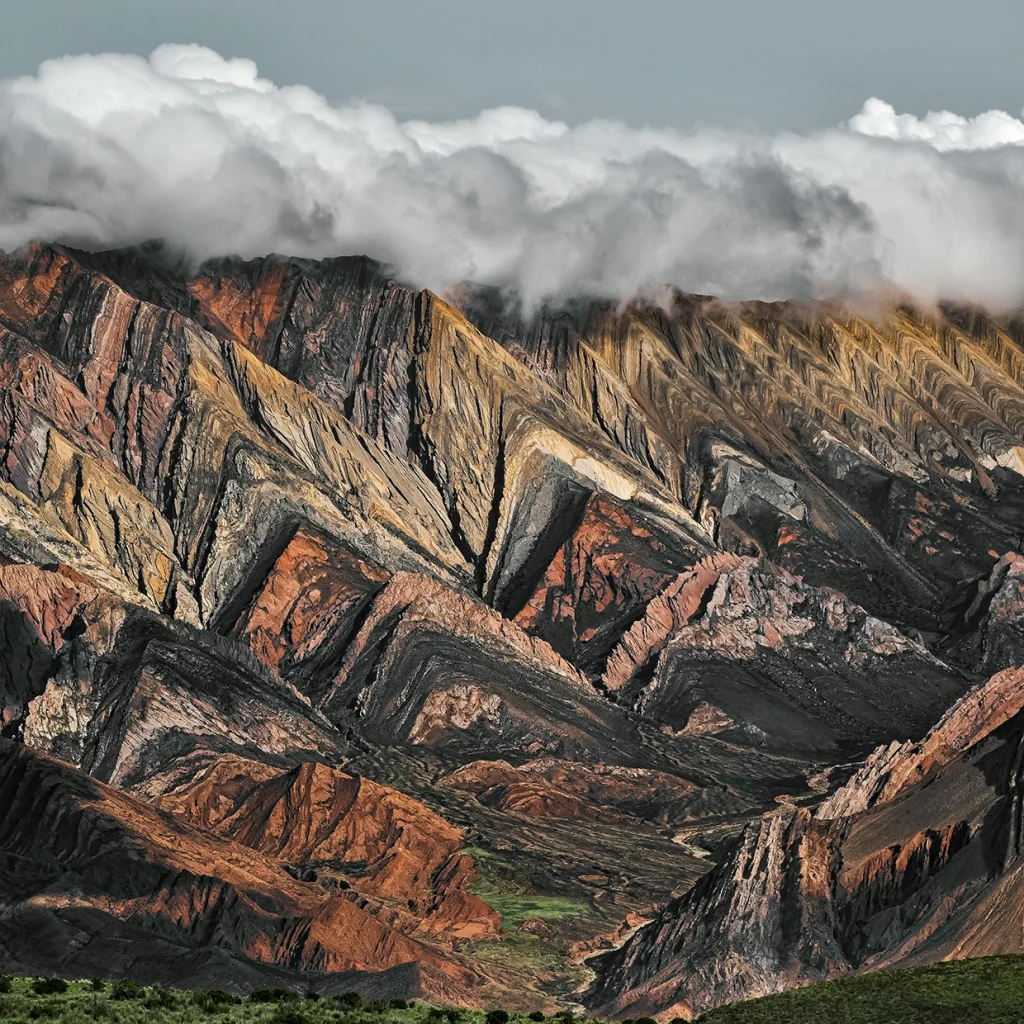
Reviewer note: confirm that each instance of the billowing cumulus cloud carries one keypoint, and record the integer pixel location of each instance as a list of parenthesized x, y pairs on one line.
[(201, 152)]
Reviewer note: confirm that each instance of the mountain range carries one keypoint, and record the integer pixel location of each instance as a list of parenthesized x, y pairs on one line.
[(636, 656)]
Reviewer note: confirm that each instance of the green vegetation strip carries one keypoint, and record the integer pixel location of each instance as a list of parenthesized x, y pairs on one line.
[(125, 1002), (984, 991)]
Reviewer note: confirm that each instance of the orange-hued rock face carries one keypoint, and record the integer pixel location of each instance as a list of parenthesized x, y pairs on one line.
[(245, 310), (348, 831), (311, 596), (601, 578), (327, 606), (163, 875)]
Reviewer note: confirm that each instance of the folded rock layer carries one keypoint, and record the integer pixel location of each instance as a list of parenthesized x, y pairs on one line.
[(352, 637)]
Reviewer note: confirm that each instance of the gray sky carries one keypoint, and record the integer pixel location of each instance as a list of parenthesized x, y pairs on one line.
[(789, 64)]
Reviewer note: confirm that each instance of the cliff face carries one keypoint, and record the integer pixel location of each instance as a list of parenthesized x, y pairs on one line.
[(916, 858), (334, 611)]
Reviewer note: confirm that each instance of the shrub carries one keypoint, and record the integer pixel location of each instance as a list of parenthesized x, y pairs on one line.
[(43, 1010), (375, 1005), (497, 1017), (220, 997), (97, 985), (214, 1000), (449, 1013), (271, 995), (127, 989), (350, 1000), (49, 986), (161, 999), (288, 1015), (398, 1004), (313, 996), (5, 983), (646, 1020), (537, 1015)]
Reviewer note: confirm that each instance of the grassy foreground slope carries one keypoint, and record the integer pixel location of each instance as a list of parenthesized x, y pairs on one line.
[(989, 990), (55, 1001)]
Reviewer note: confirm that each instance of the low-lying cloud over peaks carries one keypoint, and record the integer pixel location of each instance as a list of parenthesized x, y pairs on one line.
[(200, 151)]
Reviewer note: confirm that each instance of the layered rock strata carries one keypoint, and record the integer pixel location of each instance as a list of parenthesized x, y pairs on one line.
[(331, 610)]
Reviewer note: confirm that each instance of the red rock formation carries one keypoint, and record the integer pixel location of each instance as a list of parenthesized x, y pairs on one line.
[(246, 310), (364, 837), (673, 608), (311, 596), (169, 879), (600, 579)]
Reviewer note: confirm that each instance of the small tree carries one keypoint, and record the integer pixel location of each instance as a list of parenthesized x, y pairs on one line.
[(350, 1000), (127, 989), (49, 986), (271, 995), (537, 1015), (497, 1017)]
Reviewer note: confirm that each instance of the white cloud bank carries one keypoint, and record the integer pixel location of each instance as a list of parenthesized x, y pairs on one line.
[(200, 151)]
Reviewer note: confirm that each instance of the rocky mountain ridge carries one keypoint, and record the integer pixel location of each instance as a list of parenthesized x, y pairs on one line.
[(450, 642)]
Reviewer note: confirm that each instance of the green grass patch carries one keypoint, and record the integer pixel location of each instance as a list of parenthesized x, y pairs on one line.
[(983, 991), (500, 891), (515, 908), (52, 1001)]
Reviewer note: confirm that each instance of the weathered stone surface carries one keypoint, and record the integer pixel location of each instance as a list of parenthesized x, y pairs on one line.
[(917, 858), (305, 609), (741, 648), (890, 770), (333, 567), (887, 492), (551, 788), (186, 888), (347, 833), (599, 581)]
